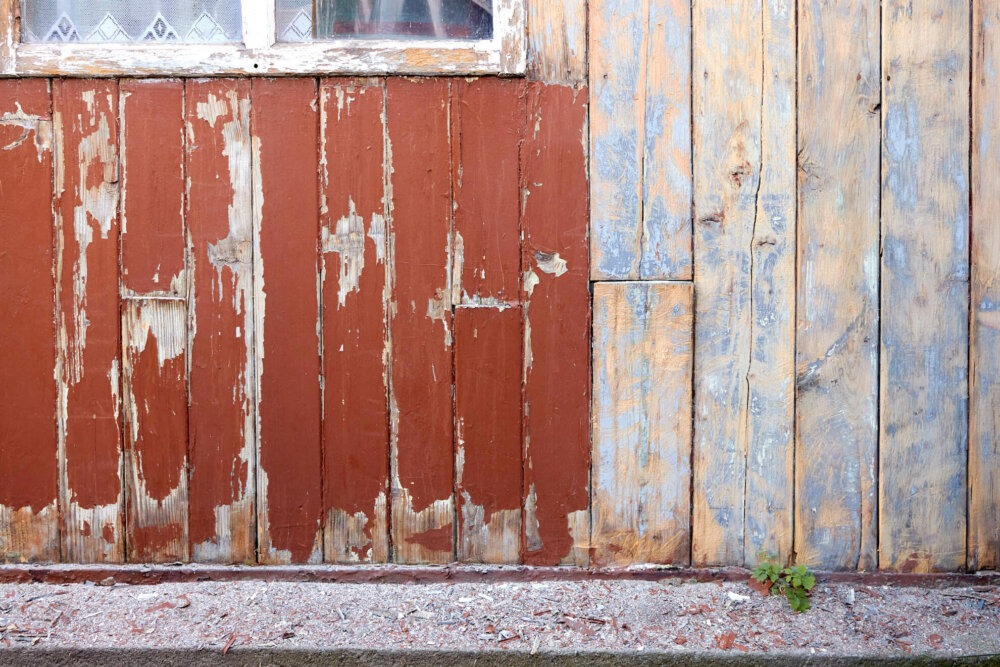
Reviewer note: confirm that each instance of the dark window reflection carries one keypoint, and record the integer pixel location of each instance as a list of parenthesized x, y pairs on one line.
[(455, 19)]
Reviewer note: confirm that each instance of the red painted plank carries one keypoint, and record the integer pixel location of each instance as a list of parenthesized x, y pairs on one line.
[(421, 320), (488, 345), (285, 120), (86, 133), (557, 317), (154, 396), (28, 472), (153, 242), (487, 119), (356, 422), (221, 416)]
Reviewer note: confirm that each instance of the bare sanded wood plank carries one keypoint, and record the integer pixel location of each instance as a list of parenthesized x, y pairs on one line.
[(925, 274), (745, 251), (984, 435), (643, 361), (154, 406), (556, 306), (221, 323), (421, 320), (356, 419), (557, 41), (487, 117), (286, 308), (29, 521), (488, 347), (837, 314), (152, 153), (88, 319), (641, 139)]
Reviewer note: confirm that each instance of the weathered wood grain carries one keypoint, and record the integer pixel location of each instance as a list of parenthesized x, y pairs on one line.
[(286, 309), (420, 322), (643, 358), (557, 41), (29, 521), (837, 313), (744, 166), (641, 139), (487, 117), (153, 242), (355, 367), (556, 302), (488, 348), (85, 115), (984, 425), (221, 323), (925, 282), (154, 408)]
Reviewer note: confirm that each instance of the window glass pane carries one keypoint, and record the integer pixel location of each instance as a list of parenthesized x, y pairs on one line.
[(191, 21), (309, 20)]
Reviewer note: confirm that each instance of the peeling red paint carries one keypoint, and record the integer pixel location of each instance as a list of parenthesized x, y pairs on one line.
[(487, 117), (557, 378), (219, 222), (488, 418), (421, 326), (153, 242), (356, 422), (287, 317), (437, 539), (27, 355)]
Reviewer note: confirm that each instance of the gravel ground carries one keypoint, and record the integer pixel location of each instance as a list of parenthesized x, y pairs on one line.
[(672, 617)]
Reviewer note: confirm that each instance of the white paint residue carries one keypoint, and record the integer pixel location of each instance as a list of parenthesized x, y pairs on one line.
[(29, 124), (533, 540), (458, 268), (438, 308), (531, 281), (551, 263), (348, 241)]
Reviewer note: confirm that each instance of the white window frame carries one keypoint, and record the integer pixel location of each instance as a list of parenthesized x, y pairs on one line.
[(261, 54)]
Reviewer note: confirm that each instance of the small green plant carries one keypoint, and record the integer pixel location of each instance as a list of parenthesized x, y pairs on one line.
[(794, 582)]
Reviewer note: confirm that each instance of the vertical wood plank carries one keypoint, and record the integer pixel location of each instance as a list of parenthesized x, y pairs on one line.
[(745, 253), (555, 261), (641, 139), (487, 118), (925, 274), (666, 158), (152, 150), (154, 406), (29, 521), (286, 308), (643, 358), (221, 326), (88, 318), (618, 71), (557, 41), (771, 376), (356, 421), (984, 436), (488, 347), (837, 314), (421, 320)]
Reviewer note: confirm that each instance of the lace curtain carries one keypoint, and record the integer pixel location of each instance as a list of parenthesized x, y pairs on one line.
[(305, 20), (190, 21)]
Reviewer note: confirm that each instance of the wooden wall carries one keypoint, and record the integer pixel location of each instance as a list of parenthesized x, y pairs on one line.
[(810, 171), (739, 295)]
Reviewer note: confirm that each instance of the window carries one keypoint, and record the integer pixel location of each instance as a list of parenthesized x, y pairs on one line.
[(232, 37)]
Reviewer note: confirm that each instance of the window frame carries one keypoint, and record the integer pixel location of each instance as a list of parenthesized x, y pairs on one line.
[(261, 54)]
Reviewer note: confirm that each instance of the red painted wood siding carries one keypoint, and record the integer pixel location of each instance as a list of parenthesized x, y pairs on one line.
[(293, 321)]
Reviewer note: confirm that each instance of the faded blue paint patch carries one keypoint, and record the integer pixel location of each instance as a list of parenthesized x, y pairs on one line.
[(903, 150)]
